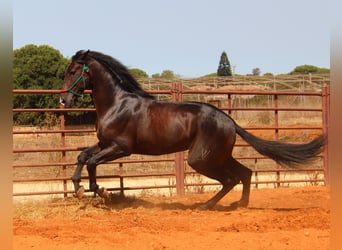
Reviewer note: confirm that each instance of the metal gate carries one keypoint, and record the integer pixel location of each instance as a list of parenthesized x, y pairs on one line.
[(227, 100)]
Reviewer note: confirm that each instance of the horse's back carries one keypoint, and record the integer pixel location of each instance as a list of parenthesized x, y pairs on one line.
[(171, 127), (194, 117)]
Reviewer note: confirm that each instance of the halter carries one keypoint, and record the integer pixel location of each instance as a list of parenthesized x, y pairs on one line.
[(70, 89)]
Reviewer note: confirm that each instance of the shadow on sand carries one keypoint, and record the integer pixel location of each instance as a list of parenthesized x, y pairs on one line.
[(118, 202)]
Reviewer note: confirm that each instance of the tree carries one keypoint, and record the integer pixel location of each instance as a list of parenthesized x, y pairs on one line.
[(256, 72), (156, 75), (166, 74), (41, 67), (224, 68), (306, 69), (138, 73), (36, 67)]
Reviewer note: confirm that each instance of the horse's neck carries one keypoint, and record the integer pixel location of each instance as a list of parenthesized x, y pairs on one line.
[(105, 96)]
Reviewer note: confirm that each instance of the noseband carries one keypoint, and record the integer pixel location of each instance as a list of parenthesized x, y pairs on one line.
[(81, 77)]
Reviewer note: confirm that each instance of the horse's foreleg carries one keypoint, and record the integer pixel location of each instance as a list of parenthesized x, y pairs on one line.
[(107, 154), (81, 160)]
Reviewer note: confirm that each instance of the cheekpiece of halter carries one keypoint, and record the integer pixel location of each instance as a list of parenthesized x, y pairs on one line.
[(85, 69)]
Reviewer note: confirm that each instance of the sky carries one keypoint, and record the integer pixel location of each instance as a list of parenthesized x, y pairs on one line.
[(185, 36)]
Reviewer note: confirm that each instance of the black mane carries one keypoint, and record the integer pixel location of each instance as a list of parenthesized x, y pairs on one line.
[(117, 70)]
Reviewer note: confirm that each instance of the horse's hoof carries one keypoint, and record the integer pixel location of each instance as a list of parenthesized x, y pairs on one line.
[(239, 204), (243, 203), (204, 207), (105, 195), (80, 192)]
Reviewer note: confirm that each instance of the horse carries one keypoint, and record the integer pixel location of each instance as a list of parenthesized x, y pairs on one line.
[(132, 121)]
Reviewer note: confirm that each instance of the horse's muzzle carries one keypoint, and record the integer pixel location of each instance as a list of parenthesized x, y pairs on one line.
[(67, 100), (62, 101)]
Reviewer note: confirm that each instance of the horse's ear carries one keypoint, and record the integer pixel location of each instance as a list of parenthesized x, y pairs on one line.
[(86, 53), (81, 56)]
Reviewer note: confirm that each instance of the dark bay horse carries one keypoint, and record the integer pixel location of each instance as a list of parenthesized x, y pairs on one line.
[(129, 120)]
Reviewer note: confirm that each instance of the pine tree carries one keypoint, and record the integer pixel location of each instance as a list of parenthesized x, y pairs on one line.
[(224, 68)]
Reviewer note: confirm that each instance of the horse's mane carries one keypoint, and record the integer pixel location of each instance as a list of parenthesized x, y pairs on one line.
[(117, 70)]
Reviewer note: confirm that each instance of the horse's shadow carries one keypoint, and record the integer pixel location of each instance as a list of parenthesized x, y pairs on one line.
[(117, 202)]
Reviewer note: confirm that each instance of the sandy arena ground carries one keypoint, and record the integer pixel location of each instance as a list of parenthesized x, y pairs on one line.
[(284, 218)]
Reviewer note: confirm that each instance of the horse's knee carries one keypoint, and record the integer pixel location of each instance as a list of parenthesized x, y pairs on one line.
[(91, 165), (82, 157), (75, 179)]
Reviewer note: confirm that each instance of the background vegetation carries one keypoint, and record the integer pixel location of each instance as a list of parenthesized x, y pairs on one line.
[(43, 67)]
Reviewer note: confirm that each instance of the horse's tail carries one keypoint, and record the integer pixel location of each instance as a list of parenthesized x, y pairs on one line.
[(284, 153)]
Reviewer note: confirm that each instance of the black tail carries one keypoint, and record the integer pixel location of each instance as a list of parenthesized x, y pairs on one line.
[(284, 153)]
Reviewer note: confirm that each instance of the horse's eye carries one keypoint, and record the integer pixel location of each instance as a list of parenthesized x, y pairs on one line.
[(72, 72)]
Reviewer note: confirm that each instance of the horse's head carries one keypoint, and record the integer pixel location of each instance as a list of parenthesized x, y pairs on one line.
[(76, 79)]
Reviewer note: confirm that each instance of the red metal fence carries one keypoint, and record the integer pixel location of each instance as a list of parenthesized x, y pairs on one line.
[(226, 100)]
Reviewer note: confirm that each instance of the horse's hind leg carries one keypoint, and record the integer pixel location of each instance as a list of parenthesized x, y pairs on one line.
[(220, 173), (227, 185), (229, 175), (234, 173), (81, 160), (245, 175)]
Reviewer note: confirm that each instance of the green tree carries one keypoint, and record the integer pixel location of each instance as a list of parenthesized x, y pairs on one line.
[(156, 75), (224, 68), (138, 73), (306, 69), (166, 74), (37, 67), (256, 72), (43, 67)]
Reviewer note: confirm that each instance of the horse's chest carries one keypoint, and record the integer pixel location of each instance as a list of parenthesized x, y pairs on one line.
[(109, 132)]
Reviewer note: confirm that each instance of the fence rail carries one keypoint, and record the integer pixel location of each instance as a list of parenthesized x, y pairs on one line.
[(181, 171)]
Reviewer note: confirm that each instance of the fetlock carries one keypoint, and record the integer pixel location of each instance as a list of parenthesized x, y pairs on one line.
[(76, 182), (93, 187)]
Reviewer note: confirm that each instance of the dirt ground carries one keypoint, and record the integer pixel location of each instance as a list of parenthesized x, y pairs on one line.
[(283, 218)]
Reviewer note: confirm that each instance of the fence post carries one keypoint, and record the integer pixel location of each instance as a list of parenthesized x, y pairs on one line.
[(276, 131), (177, 95), (229, 104), (325, 126), (63, 159), (180, 173), (121, 172)]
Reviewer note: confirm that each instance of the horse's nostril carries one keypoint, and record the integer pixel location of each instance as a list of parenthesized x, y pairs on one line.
[(62, 101)]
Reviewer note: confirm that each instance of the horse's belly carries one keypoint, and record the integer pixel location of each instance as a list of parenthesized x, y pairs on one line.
[(162, 146)]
